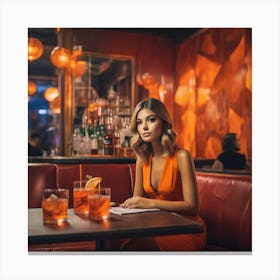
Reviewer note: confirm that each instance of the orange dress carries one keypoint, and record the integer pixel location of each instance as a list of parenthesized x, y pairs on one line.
[(170, 188)]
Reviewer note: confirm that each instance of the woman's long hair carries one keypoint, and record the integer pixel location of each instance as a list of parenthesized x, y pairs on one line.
[(168, 137)]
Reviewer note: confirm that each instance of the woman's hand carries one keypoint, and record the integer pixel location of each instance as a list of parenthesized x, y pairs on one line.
[(137, 202)]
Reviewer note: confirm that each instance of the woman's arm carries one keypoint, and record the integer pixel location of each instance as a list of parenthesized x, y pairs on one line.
[(138, 186)]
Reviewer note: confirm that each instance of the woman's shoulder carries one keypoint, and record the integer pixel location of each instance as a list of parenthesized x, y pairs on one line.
[(184, 159), (139, 160), (183, 154)]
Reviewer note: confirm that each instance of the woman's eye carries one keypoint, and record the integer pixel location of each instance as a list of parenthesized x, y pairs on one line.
[(152, 119), (138, 122)]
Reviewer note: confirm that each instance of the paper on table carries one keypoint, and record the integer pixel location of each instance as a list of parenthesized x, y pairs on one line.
[(124, 211)]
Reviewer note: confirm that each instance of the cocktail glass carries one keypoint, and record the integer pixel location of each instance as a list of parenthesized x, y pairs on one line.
[(55, 206), (99, 204), (80, 197)]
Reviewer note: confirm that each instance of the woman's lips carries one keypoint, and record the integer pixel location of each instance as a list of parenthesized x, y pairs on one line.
[(146, 134)]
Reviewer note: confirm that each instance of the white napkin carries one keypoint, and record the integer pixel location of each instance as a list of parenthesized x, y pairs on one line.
[(124, 211)]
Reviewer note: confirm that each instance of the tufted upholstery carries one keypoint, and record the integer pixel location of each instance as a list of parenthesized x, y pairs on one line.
[(225, 200)]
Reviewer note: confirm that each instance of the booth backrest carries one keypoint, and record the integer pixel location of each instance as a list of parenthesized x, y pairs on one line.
[(40, 176), (226, 208)]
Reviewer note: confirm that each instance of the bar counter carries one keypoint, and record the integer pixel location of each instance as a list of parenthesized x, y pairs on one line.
[(198, 162), (81, 159)]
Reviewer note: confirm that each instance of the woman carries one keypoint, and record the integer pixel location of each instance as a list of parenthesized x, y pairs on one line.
[(164, 178)]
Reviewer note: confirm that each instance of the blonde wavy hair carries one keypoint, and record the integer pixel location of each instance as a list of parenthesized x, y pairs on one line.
[(168, 137)]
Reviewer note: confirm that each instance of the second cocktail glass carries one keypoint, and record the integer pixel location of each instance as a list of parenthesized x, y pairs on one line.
[(80, 197)]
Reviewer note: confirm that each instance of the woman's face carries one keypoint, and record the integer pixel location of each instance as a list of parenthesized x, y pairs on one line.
[(149, 125)]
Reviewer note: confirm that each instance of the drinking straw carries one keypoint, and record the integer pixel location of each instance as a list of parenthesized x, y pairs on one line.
[(81, 175)]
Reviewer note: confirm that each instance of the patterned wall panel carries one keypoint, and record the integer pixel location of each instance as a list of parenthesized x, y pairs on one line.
[(213, 90)]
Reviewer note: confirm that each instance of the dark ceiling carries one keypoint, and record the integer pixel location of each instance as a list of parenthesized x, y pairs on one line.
[(175, 34), (48, 35)]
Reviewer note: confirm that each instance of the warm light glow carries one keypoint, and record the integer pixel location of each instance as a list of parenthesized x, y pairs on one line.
[(60, 57), (55, 105), (78, 68), (32, 88), (77, 51), (51, 93), (35, 49), (150, 83)]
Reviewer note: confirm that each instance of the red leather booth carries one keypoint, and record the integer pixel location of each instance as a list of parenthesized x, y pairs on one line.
[(225, 200)]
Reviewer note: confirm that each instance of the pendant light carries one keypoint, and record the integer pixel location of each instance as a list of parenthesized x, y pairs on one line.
[(51, 93), (32, 88), (55, 105), (63, 58), (60, 57), (35, 48), (78, 68)]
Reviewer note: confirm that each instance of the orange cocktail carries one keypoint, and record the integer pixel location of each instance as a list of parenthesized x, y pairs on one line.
[(80, 197), (55, 206), (99, 204)]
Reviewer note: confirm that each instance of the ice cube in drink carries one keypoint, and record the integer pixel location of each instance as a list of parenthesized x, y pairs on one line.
[(99, 204), (80, 201)]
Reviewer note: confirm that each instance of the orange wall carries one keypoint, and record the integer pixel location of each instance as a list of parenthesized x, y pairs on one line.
[(208, 94), (213, 93)]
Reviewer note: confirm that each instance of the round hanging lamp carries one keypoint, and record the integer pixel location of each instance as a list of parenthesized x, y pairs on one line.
[(55, 105), (35, 49), (78, 68), (60, 57), (51, 93), (32, 88)]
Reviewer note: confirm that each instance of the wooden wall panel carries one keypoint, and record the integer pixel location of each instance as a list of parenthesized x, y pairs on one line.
[(153, 55), (214, 90)]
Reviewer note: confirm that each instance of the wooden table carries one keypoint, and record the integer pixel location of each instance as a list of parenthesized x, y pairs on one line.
[(80, 228)]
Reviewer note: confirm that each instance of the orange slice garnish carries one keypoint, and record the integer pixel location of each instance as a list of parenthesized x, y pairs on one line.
[(93, 182)]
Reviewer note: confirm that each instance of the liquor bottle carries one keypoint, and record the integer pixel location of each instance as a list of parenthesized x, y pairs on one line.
[(101, 126), (85, 142), (109, 141), (100, 139), (117, 143), (84, 145), (93, 144), (76, 141)]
